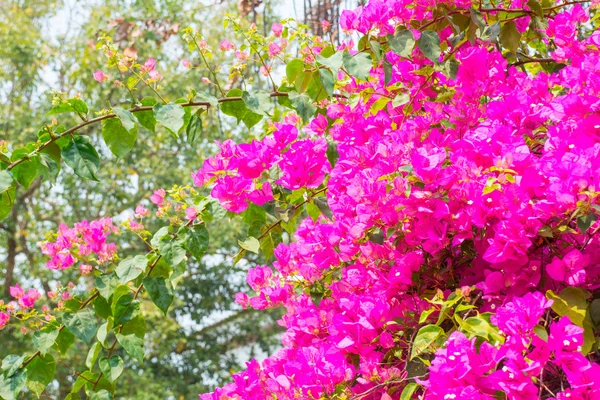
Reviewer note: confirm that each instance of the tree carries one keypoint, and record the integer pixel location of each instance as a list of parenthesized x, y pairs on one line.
[(430, 212), (123, 184)]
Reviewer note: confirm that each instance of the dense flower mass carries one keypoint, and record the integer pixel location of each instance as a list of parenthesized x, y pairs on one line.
[(484, 181), (85, 242)]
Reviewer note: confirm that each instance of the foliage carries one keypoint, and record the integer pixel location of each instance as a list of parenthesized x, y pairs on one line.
[(429, 204)]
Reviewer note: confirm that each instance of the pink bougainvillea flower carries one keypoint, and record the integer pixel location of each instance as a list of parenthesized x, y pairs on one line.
[(148, 65), (16, 291), (100, 76), (158, 197), (4, 319), (277, 29), (191, 213), (226, 45), (141, 211), (29, 299), (571, 269)]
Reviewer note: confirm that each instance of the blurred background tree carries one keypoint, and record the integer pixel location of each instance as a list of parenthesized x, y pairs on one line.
[(51, 45)]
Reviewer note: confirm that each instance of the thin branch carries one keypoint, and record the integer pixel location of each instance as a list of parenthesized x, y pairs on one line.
[(534, 60), (133, 110)]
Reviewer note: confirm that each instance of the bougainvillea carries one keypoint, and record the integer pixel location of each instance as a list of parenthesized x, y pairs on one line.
[(484, 177), (429, 205)]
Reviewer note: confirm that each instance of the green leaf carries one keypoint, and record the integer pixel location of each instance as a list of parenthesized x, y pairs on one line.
[(159, 236), (571, 302), (131, 268), (402, 43), (40, 372), (425, 314), (536, 7), (546, 231), (334, 62), (400, 99), (313, 211), (332, 153), (479, 327), (358, 66), (64, 341), (187, 116), (429, 44), (171, 116), (321, 202), (7, 199), (375, 47), (173, 252), (6, 180), (267, 244), (125, 308), (477, 18), (426, 336), (111, 368), (82, 324), (11, 386), (585, 221), (490, 33), (11, 363), (101, 307), (104, 330), (160, 291), (294, 68), (146, 118), (387, 71), (510, 38), (303, 105), (80, 155), (92, 355), (25, 172), (133, 345), (327, 81), (541, 332), (137, 327), (212, 100), (239, 110), (45, 338), (197, 241), (126, 118), (82, 380), (101, 395), (251, 244), (379, 105), (120, 133), (51, 166), (106, 284), (259, 102), (194, 129), (408, 391), (450, 69), (595, 313), (71, 105), (236, 108)]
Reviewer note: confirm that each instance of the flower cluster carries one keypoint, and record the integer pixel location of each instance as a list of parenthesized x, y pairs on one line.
[(85, 242), (486, 179), (237, 168)]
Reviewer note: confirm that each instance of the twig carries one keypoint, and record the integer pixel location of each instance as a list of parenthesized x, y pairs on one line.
[(74, 129)]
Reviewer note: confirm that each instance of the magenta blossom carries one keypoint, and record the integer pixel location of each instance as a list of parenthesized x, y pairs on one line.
[(100, 76), (158, 197)]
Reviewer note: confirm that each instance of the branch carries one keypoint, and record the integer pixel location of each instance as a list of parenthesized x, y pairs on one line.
[(74, 129), (81, 307), (534, 60)]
